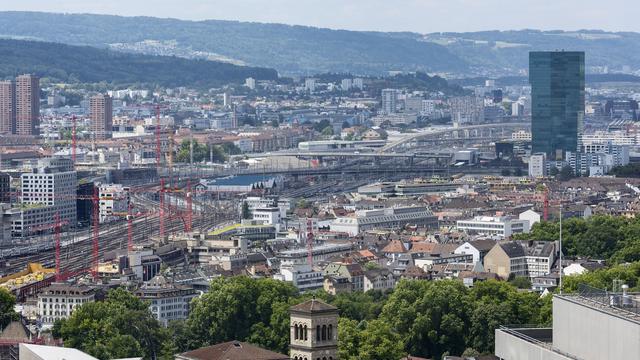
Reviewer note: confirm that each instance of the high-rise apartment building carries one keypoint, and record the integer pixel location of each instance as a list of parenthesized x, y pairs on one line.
[(389, 101), (557, 101), (7, 107), (27, 105), (467, 109), (101, 108), (310, 85)]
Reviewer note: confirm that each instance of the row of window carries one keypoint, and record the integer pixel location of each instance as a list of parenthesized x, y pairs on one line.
[(63, 300), (323, 333)]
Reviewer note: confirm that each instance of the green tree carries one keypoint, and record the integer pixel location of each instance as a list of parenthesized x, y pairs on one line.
[(432, 316), (327, 131), (246, 212), (231, 149), (349, 335), (521, 282), (565, 173), (244, 309), (7, 314), (201, 152), (378, 341), (321, 125), (119, 327), (505, 172)]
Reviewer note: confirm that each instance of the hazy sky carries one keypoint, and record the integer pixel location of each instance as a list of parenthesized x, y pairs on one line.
[(382, 15)]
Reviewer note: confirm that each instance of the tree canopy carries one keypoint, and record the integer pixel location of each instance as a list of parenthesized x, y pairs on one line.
[(419, 317), (612, 238), (7, 314), (119, 327)]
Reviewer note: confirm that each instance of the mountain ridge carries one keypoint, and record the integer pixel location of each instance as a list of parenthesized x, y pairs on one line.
[(305, 50)]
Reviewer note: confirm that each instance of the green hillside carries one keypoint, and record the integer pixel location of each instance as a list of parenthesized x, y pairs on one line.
[(85, 64)]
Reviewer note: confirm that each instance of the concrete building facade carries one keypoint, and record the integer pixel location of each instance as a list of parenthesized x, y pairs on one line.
[(101, 113), (27, 105)]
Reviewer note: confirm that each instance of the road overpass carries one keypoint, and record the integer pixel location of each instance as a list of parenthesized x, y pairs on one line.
[(483, 131)]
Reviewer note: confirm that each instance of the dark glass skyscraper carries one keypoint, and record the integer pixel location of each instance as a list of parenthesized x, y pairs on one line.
[(557, 101)]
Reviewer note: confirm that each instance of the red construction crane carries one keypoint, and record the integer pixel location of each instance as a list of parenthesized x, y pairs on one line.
[(189, 222), (162, 190), (73, 139), (129, 227), (158, 147), (96, 231)]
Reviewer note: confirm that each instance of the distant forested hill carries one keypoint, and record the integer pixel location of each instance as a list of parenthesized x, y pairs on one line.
[(289, 49), (303, 50), (67, 63)]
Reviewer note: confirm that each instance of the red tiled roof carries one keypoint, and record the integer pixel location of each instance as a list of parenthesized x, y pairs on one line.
[(232, 350)]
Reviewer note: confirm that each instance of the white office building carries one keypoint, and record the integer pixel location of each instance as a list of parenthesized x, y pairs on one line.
[(493, 225), (389, 218), (49, 190), (428, 107), (310, 84), (250, 83), (167, 301), (521, 135), (537, 165), (114, 202), (302, 276), (267, 215), (389, 101), (346, 84), (358, 83), (467, 109), (58, 301)]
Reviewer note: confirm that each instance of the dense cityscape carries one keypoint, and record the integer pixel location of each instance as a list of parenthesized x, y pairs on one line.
[(161, 200)]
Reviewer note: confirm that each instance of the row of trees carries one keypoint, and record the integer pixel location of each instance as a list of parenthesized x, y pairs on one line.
[(612, 238), (421, 318), (202, 152)]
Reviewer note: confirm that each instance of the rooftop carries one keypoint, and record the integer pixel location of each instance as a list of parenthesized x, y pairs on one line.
[(313, 306), (232, 350), (240, 180)]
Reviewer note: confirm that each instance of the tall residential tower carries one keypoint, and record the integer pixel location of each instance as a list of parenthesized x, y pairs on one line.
[(7, 107), (557, 101), (101, 107), (27, 105)]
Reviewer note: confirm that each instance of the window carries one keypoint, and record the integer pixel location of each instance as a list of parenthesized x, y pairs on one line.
[(324, 332), (305, 334), (318, 334), (330, 332)]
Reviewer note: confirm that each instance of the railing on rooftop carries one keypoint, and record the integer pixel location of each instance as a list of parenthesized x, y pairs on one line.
[(623, 303), (520, 331)]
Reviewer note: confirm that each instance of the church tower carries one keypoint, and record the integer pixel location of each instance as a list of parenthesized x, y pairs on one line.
[(314, 331)]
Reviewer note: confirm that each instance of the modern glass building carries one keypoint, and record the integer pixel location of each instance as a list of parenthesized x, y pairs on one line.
[(557, 101)]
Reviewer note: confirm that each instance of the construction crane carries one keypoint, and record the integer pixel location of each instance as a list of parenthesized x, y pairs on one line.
[(158, 147), (74, 141)]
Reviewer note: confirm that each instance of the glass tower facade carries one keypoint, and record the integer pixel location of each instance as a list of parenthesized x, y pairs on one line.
[(557, 101)]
